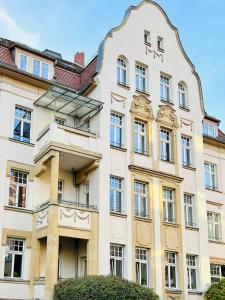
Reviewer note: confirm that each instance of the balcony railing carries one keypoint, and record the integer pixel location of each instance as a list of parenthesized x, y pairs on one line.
[(77, 204)]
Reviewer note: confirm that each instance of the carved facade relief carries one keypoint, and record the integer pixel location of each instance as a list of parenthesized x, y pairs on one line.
[(141, 107), (166, 116)]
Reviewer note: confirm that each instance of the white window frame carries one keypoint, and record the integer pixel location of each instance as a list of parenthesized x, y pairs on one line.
[(211, 170), (122, 69), (147, 37), (116, 254), (209, 129), (22, 120), (140, 130), (169, 200), (60, 121), (41, 68), (216, 275), (115, 125), (163, 145), (186, 146), (140, 192), (171, 262), (116, 190), (189, 205), (24, 176), (13, 252), (192, 266), (165, 88), (27, 57), (141, 77), (160, 43), (214, 220), (60, 190), (141, 258), (182, 95)]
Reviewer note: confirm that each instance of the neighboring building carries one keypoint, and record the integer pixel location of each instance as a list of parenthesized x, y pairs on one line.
[(105, 168)]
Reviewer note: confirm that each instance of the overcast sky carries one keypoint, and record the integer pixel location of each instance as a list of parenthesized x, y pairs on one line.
[(68, 26)]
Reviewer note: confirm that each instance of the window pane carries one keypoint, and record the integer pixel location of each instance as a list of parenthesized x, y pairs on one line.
[(17, 129), (44, 72), (17, 265), (172, 277), (23, 62), (26, 132), (118, 268), (21, 196), (8, 265), (144, 274), (193, 279), (12, 194), (167, 276)]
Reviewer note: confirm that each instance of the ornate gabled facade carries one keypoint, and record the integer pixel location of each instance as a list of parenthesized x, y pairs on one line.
[(110, 168)]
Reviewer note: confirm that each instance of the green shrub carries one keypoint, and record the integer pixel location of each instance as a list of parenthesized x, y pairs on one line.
[(216, 291), (102, 288)]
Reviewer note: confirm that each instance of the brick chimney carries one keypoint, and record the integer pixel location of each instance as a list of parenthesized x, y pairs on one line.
[(79, 58)]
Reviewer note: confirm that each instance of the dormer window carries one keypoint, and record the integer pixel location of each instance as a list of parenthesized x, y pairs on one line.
[(23, 63), (40, 69), (209, 129), (147, 37), (160, 43)]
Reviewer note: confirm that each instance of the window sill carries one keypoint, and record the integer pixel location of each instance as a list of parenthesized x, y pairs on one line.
[(173, 291), (118, 214), (195, 293), (21, 142), (141, 153), (123, 85), (167, 101), (167, 161), (216, 242), (19, 209), (144, 219), (189, 168), (161, 50), (118, 148), (213, 190), (171, 224), (191, 228), (148, 44), (15, 280), (184, 108), (142, 92)]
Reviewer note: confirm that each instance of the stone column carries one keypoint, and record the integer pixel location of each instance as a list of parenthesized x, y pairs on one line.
[(52, 235), (92, 247)]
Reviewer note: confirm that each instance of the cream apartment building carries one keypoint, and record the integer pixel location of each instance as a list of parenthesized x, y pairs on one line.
[(113, 167)]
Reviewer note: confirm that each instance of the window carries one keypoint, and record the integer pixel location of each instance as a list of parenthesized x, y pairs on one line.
[(168, 205), (165, 88), (182, 95), (87, 194), (116, 260), (60, 190), (210, 176), (40, 69), (171, 269), (165, 145), (147, 39), (189, 210), (60, 121), (140, 72), (116, 130), (160, 43), (121, 71), (140, 198), (140, 137), (217, 272), (214, 226), (115, 194), (186, 151), (23, 64), (14, 258), (22, 124), (142, 266), (18, 189), (191, 272), (209, 129)]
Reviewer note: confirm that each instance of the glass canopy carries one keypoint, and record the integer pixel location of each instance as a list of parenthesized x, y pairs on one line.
[(68, 102)]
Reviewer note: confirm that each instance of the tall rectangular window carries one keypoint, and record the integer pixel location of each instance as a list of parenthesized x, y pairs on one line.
[(115, 194), (191, 261), (210, 176), (18, 189), (147, 37), (140, 198), (160, 43), (168, 205), (142, 269), (165, 88), (14, 258), (140, 72), (165, 145), (116, 130), (116, 260), (189, 210), (140, 137), (40, 69), (121, 71), (209, 129), (217, 272), (171, 270), (23, 63), (60, 190), (22, 124), (186, 150), (214, 226)]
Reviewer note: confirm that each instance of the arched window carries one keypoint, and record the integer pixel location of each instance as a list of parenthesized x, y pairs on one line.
[(182, 94), (121, 71)]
